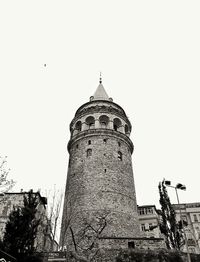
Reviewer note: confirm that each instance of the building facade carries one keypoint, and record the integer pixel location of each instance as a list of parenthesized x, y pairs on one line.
[(10, 200), (149, 221), (190, 213), (149, 218), (100, 191)]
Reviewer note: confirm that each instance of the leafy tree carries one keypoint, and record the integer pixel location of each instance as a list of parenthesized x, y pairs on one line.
[(21, 228), (169, 226)]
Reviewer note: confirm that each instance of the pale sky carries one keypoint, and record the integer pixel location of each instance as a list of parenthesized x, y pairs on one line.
[(149, 55)]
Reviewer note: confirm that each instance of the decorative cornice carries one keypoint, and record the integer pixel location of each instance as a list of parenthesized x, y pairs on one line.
[(110, 103), (101, 131)]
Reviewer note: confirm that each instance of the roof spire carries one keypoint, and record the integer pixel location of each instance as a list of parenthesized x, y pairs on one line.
[(100, 93), (100, 79)]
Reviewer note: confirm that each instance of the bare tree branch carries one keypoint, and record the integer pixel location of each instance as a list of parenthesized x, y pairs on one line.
[(5, 183), (65, 224), (73, 239), (85, 240), (54, 207)]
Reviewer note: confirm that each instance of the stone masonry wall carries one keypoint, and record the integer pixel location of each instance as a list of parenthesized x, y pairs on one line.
[(101, 185), (139, 243)]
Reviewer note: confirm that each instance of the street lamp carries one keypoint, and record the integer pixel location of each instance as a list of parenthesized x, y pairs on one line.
[(181, 187)]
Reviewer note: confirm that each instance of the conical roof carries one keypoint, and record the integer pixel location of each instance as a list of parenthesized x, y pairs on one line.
[(100, 93)]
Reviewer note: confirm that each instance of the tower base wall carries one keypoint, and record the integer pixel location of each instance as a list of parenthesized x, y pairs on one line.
[(131, 243)]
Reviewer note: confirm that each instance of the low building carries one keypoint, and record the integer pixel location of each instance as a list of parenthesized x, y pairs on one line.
[(8, 201), (149, 221), (149, 218), (190, 213)]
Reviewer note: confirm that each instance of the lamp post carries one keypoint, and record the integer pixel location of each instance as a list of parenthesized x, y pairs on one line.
[(181, 187)]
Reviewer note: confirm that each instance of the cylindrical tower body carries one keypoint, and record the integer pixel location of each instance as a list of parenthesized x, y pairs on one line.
[(100, 191)]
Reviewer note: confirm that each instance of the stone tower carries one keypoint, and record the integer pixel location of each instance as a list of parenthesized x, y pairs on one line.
[(100, 191)]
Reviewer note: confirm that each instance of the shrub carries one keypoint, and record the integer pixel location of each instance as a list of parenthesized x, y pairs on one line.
[(30, 258), (149, 255)]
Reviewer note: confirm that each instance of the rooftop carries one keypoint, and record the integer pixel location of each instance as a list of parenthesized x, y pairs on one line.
[(100, 93)]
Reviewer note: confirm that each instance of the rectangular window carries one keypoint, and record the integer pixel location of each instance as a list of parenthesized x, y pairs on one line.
[(149, 211), (150, 225), (195, 218), (184, 218), (131, 244), (192, 250), (141, 211), (143, 227)]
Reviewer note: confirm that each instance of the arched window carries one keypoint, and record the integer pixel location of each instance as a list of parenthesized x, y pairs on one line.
[(89, 152), (120, 155), (103, 121), (90, 122), (78, 126), (116, 124), (126, 129)]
